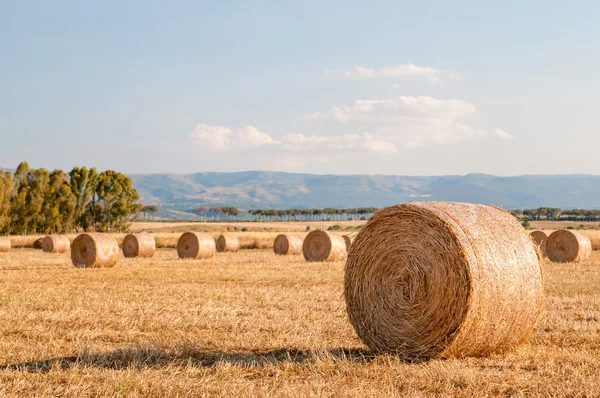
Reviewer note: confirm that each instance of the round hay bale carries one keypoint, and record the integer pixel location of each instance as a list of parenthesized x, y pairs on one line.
[(196, 245), (324, 246), (56, 244), (139, 245), (287, 245), (5, 244), (95, 250), (566, 246), (439, 279), (348, 241), (38, 243), (594, 238), (228, 243), (540, 238)]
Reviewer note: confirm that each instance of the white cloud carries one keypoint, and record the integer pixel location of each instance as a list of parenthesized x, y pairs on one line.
[(503, 135), (252, 137), (433, 75), (345, 143), (213, 137), (219, 138), (409, 121), (379, 126)]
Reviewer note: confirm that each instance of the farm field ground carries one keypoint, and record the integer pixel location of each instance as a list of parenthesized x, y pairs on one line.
[(260, 235), (252, 323)]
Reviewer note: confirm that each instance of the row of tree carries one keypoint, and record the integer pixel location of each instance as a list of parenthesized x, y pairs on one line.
[(216, 212), (556, 214), (328, 213), (37, 201)]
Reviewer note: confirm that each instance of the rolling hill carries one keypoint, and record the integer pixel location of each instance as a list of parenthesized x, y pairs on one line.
[(261, 189)]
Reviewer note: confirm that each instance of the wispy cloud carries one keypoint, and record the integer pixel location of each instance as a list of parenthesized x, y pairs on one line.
[(370, 126), (503, 135), (432, 75), (219, 138), (408, 121), (346, 143)]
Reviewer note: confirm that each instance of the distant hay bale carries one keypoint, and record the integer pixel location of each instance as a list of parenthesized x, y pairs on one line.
[(540, 238), (196, 245), (287, 245), (139, 245), (566, 246), (228, 243), (438, 280), (348, 240), (324, 246), (56, 244), (94, 250), (5, 244), (38, 243), (594, 238)]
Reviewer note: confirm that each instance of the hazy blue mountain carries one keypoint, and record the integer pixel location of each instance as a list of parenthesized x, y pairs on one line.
[(261, 189)]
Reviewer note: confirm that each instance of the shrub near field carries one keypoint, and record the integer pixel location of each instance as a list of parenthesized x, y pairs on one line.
[(255, 324)]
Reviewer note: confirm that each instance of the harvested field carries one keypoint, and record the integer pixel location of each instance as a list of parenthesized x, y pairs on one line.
[(253, 323)]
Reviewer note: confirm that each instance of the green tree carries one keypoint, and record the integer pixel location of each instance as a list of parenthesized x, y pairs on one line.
[(59, 204), (114, 203), (149, 210), (83, 184), (5, 194)]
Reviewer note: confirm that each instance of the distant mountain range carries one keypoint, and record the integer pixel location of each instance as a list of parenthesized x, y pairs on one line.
[(176, 194)]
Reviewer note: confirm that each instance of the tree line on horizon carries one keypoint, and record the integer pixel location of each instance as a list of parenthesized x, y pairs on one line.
[(557, 214), (38, 201), (216, 213)]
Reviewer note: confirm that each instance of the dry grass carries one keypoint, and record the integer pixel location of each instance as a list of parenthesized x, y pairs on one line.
[(284, 226), (253, 323)]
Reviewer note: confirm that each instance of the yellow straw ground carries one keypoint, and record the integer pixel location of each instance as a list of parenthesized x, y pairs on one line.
[(253, 323)]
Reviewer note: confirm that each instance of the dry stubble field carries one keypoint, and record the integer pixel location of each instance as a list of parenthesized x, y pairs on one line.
[(252, 323)]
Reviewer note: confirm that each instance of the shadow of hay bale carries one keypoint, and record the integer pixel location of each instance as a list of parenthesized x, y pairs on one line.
[(152, 357)]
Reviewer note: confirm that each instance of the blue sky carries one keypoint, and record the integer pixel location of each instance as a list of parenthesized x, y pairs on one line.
[(413, 88)]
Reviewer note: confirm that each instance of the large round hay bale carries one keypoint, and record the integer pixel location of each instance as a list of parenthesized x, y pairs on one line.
[(228, 243), (348, 241), (287, 245), (139, 245), (5, 244), (94, 250), (443, 279), (38, 243), (56, 244), (196, 245), (565, 246), (324, 246), (540, 238)]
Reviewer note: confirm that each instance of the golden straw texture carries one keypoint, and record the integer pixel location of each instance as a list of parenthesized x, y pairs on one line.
[(540, 238), (38, 243), (95, 250), (139, 245), (287, 245), (440, 279), (56, 244), (228, 243), (594, 238), (565, 246), (5, 244), (324, 246), (348, 240), (196, 245)]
